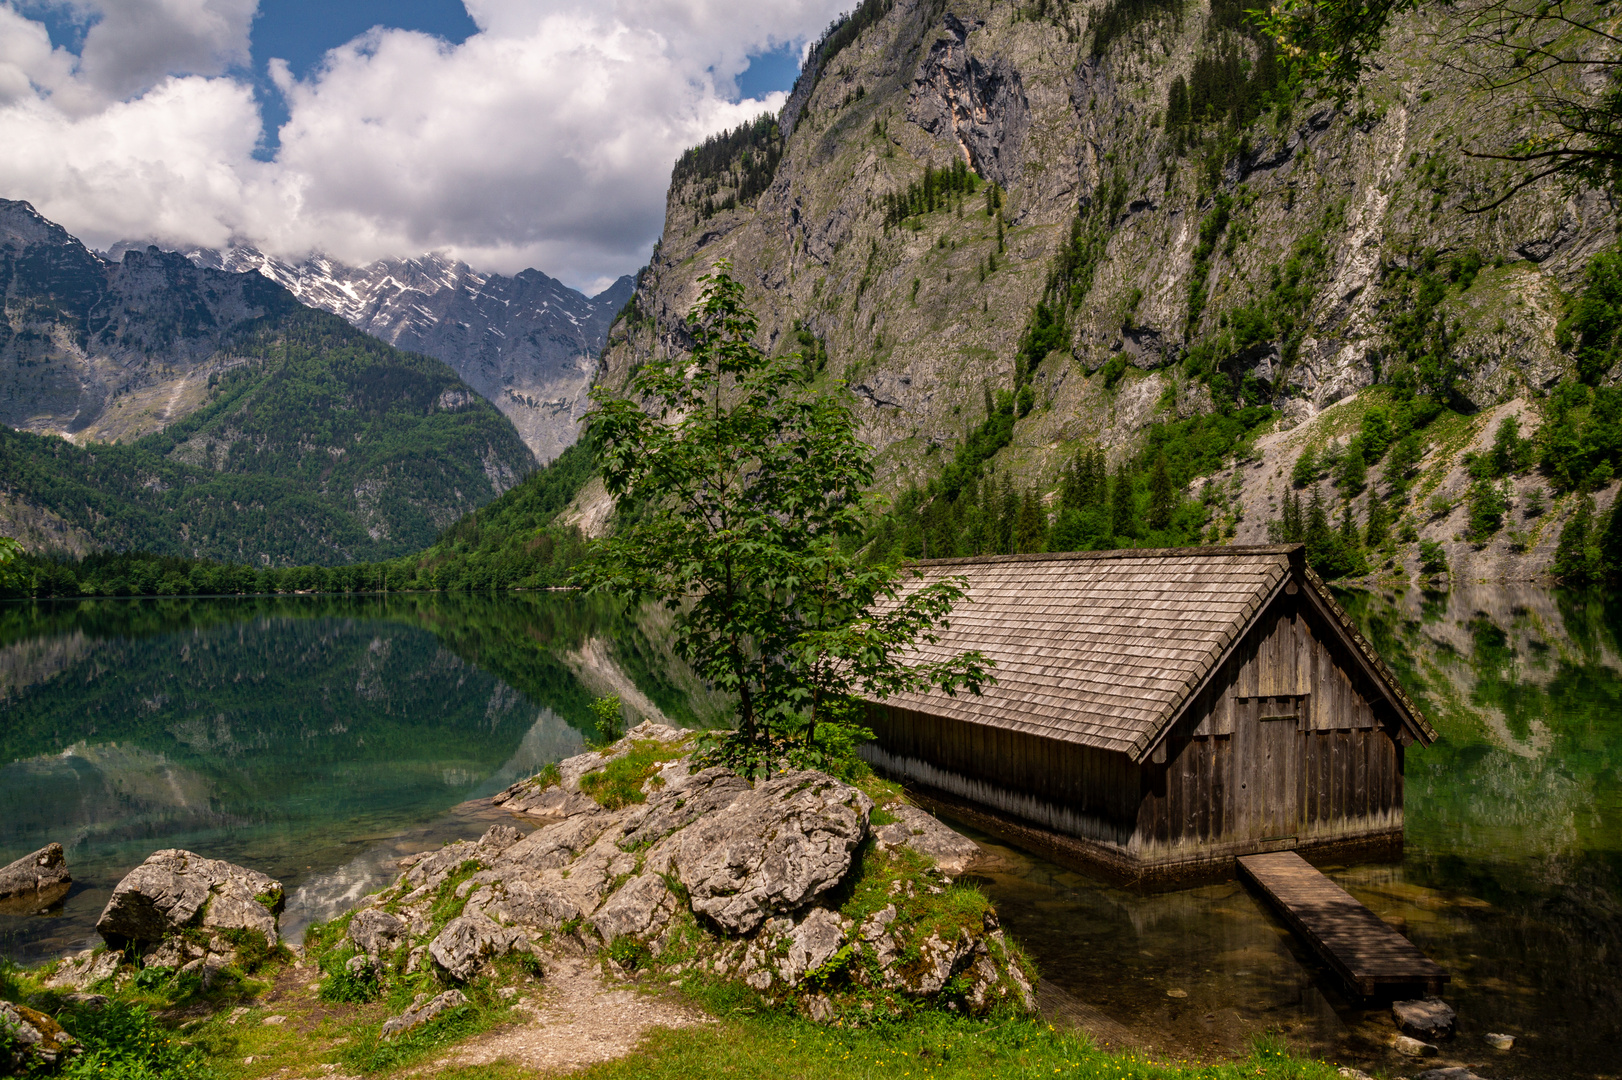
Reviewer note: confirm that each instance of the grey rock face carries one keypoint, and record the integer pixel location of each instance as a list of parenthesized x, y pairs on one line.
[(470, 940), (640, 908), (422, 1010), (811, 944), (82, 969), (174, 888), (36, 879), (772, 849), (1426, 1018), (920, 831), (376, 932)]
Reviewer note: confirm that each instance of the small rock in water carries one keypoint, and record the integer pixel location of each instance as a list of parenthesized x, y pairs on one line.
[(1456, 1072), (1177, 993), (1402, 1044), (1424, 1018), (1500, 1042)]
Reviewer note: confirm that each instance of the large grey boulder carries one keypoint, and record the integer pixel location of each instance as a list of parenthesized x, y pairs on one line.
[(641, 908), (175, 889), (375, 932), (772, 849), (35, 880), (469, 940), (920, 831)]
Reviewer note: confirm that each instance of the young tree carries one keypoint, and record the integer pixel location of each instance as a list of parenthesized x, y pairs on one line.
[(748, 488), (1574, 556), (1031, 528)]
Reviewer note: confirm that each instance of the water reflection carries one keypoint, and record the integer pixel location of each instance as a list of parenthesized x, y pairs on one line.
[(310, 738), (1512, 876)]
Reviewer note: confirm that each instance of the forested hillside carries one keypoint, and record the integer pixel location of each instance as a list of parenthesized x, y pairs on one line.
[(304, 440)]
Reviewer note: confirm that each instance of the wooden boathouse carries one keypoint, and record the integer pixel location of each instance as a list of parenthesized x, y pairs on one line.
[(1159, 713)]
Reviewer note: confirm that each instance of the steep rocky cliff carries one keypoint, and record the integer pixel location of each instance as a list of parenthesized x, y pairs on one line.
[(1270, 250)]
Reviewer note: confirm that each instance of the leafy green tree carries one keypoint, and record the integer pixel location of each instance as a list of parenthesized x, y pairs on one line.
[(1375, 432), (1030, 530), (1610, 544), (751, 489), (1487, 508)]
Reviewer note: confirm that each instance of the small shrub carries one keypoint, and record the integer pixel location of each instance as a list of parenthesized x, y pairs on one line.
[(1432, 557), (126, 1042), (343, 985), (629, 953), (609, 718)]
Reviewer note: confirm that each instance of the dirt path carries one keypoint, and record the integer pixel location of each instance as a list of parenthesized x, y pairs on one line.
[(579, 1017)]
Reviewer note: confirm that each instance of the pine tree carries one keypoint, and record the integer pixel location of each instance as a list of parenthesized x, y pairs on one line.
[(1573, 561), (1379, 523), (1123, 505), (1030, 533), (1316, 533), (1006, 516), (1162, 495), (1610, 545)]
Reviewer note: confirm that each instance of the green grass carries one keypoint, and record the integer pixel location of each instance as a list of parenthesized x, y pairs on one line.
[(776, 1047), (619, 783)]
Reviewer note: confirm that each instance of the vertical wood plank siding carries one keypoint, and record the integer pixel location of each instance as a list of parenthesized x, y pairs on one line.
[(1285, 747)]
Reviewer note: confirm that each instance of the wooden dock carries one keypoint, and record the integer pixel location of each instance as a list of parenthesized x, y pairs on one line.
[(1367, 954)]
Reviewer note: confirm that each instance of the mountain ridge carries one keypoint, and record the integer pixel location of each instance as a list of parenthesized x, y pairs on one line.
[(527, 342)]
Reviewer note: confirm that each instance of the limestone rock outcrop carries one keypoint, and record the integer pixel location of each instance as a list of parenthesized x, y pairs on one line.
[(35, 881), (174, 889), (782, 884)]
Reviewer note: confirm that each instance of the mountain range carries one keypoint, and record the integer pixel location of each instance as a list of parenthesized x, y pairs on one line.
[(150, 403), (528, 342)]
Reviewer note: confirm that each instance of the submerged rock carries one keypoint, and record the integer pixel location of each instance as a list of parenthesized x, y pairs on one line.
[(174, 889), (1424, 1018), (35, 881), (1404, 1044), (422, 1010)]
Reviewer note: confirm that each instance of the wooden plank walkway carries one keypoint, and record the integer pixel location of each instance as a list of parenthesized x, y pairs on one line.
[(1370, 956)]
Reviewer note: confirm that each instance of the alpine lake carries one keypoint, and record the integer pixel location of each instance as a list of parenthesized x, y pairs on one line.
[(320, 739)]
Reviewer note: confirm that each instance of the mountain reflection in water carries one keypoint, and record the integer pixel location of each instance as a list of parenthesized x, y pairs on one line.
[(316, 739)]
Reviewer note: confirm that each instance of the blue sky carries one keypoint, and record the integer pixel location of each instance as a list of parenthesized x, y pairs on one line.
[(530, 132)]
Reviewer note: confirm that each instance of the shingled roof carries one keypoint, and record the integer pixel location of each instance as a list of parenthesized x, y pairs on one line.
[(1104, 648)]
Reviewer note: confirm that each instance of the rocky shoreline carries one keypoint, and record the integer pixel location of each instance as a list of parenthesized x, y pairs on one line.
[(807, 890)]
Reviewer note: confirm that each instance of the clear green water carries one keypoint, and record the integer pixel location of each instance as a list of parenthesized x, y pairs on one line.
[(314, 739), (318, 740)]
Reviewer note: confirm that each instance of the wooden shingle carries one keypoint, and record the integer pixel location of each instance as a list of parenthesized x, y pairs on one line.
[(1103, 649)]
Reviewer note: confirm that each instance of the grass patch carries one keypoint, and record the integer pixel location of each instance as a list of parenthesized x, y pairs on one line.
[(779, 1047), (619, 783), (369, 1053)]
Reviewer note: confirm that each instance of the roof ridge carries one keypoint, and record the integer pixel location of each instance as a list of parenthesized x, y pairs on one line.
[(1113, 553)]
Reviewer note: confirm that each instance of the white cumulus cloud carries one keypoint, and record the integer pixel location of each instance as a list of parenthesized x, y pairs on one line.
[(545, 139)]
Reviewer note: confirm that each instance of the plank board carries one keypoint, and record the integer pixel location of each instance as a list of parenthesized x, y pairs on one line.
[(1362, 950)]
